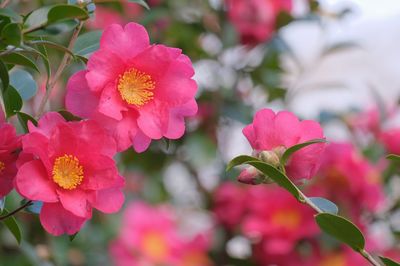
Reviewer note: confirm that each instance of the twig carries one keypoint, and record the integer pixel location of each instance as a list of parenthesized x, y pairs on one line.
[(28, 203)]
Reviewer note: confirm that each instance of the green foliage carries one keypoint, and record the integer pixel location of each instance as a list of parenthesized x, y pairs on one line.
[(286, 155), (341, 229), (68, 116), (389, 262), (325, 205), (5, 80), (12, 226), (23, 119), (393, 157), (87, 43), (19, 59), (11, 34), (24, 83), (12, 101)]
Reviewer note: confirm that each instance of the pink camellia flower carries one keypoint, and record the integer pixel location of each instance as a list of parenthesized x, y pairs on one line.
[(271, 134), (348, 179), (255, 19), (281, 223), (150, 236), (137, 91), (9, 145), (69, 167)]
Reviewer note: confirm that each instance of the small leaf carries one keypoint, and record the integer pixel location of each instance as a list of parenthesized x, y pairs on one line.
[(140, 2), (68, 116), (393, 157), (2, 203), (35, 207), (341, 229), (87, 43), (325, 205), (23, 120), (239, 160), (11, 34), (19, 59), (12, 101), (5, 80), (12, 225), (389, 262), (24, 83), (286, 155), (36, 19), (65, 12)]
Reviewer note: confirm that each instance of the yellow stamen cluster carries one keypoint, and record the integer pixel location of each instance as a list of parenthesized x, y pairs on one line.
[(289, 219), (136, 87), (67, 172), (155, 245)]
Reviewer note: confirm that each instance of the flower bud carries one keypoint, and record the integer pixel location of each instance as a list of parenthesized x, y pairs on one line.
[(250, 176), (269, 157)]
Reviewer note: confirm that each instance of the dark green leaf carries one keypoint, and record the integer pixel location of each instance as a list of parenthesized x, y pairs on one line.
[(54, 45), (6, 12), (140, 2), (19, 59), (5, 80), (325, 205), (87, 43), (11, 34), (389, 262), (68, 116), (239, 160), (12, 101), (341, 229), (12, 225), (36, 19), (65, 12), (72, 237), (23, 120), (24, 83), (286, 155), (393, 157)]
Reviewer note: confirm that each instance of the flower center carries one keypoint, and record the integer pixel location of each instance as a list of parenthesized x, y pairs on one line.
[(2, 166), (334, 260), (155, 246), (136, 87), (67, 172), (289, 219)]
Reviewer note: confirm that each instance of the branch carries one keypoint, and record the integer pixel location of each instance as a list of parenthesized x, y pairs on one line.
[(28, 203)]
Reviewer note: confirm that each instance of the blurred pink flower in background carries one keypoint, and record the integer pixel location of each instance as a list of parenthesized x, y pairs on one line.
[(150, 236), (9, 145), (255, 20), (274, 133), (349, 179), (137, 91), (390, 138), (71, 167)]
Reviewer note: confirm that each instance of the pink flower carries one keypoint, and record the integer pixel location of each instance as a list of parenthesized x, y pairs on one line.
[(275, 217), (255, 19), (104, 17), (137, 91), (347, 178), (391, 140), (150, 236), (341, 257), (69, 167), (271, 134), (9, 145)]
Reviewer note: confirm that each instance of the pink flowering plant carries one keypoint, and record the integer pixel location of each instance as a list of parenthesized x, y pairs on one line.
[(156, 133)]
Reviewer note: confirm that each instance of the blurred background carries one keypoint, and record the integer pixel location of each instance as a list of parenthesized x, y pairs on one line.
[(331, 60)]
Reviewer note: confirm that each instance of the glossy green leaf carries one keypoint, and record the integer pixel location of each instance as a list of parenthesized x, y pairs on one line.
[(341, 229), (286, 155), (65, 12), (6, 12), (11, 34), (12, 226), (5, 80), (24, 83), (12, 101), (36, 19), (325, 205), (19, 59), (68, 116), (87, 43), (393, 157), (389, 262), (140, 2), (23, 119)]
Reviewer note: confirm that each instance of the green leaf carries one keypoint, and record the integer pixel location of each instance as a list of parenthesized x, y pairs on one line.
[(325, 205), (5, 80), (45, 57), (6, 12), (12, 225), (64, 12), (19, 59), (286, 155), (24, 83), (11, 34), (36, 19), (140, 2), (87, 43), (72, 237), (68, 116), (34, 207), (389, 262), (23, 119), (393, 157), (341, 229), (53, 45), (12, 101), (239, 160)]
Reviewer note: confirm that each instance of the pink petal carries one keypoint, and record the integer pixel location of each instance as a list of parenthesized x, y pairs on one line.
[(176, 123), (109, 200), (266, 137), (100, 172), (33, 182), (153, 119), (111, 103), (125, 42), (141, 142), (46, 123), (80, 100), (37, 145), (286, 126), (57, 221), (75, 201)]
